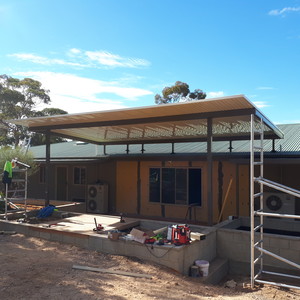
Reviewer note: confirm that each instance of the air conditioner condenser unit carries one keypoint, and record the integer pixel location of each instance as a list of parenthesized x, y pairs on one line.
[(279, 203), (97, 198)]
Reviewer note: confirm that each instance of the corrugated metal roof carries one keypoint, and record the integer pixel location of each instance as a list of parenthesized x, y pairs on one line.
[(158, 124), (290, 144)]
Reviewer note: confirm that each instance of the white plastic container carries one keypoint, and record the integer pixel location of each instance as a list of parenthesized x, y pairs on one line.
[(203, 266)]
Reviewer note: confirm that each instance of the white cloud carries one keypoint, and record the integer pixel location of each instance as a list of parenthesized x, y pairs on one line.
[(261, 104), (215, 94), (91, 59), (75, 51), (283, 11), (72, 104), (79, 94), (44, 60), (113, 60)]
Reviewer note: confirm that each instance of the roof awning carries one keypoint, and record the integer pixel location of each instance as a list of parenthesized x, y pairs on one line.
[(179, 122)]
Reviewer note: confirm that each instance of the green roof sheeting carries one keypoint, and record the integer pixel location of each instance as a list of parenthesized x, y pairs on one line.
[(290, 144)]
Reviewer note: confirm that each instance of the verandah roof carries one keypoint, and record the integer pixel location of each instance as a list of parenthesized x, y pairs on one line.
[(227, 118), (179, 122)]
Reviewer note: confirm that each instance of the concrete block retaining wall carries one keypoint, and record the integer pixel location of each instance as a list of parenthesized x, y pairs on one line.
[(179, 258), (235, 245), (222, 241)]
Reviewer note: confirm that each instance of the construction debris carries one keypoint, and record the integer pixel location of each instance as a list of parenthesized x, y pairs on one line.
[(231, 284)]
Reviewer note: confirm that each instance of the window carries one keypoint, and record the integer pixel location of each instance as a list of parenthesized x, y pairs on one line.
[(79, 175), (175, 185), (42, 174)]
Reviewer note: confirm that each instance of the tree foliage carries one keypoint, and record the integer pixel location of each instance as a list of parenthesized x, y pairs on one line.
[(39, 138), (19, 99), (7, 154), (179, 92)]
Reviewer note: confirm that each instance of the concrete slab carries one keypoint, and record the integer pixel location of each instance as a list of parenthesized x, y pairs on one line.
[(85, 223)]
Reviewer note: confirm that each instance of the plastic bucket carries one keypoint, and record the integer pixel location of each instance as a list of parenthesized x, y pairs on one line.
[(203, 266)]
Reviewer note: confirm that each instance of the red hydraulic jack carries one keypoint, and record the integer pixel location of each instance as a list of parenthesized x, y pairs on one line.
[(181, 234), (99, 227)]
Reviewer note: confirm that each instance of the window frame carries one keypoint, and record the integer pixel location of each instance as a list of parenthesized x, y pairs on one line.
[(187, 186), (80, 181)]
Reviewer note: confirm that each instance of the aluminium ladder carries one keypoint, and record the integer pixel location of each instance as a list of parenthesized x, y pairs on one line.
[(257, 230), (18, 191)]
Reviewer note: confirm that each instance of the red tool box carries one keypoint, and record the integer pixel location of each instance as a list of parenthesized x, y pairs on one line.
[(181, 234)]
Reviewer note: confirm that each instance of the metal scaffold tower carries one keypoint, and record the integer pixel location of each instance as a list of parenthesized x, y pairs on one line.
[(17, 190), (257, 183)]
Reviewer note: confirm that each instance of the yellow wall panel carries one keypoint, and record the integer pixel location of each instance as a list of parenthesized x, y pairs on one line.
[(244, 190), (127, 190), (126, 186), (229, 203), (147, 208)]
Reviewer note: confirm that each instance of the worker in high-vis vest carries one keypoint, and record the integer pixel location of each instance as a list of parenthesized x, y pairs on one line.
[(7, 173)]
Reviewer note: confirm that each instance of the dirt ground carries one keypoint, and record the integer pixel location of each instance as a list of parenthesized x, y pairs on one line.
[(32, 268)]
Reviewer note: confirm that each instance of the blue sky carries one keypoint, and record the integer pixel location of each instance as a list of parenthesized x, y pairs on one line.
[(95, 54)]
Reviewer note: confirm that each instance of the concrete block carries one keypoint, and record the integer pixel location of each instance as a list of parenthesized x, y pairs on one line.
[(292, 255), (218, 269), (33, 232), (279, 242), (274, 250), (68, 239), (113, 247), (176, 263), (224, 243), (271, 261), (95, 243), (226, 234), (205, 251), (7, 226), (56, 237), (22, 229), (239, 268), (118, 246), (295, 244), (82, 241), (241, 236), (266, 241), (240, 252), (46, 235), (140, 250), (158, 252)]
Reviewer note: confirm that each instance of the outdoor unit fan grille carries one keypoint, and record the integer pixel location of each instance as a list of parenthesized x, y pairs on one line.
[(92, 191), (92, 205), (274, 203), (280, 203)]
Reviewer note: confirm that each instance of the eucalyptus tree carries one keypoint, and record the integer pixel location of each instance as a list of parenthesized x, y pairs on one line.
[(179, 92), (19, 98)]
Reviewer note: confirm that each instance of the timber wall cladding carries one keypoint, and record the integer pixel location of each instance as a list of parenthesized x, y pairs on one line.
[(244, 190), (126, 186), (222, 187), (130, 196)]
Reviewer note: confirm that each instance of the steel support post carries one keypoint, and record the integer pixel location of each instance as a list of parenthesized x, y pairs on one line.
[(209, 173)]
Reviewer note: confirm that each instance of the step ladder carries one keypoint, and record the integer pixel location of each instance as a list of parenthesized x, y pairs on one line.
[(257, 230)]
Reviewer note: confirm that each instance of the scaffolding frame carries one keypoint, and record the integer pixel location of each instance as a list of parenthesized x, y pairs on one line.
[(17, 191), (257, 240)]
